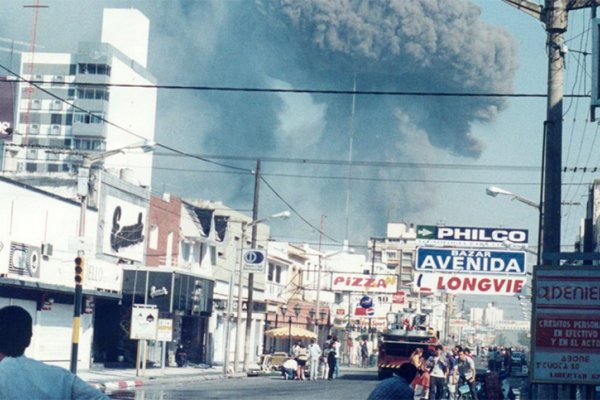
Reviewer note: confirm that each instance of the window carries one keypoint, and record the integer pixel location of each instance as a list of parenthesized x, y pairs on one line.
[(153, 237), (52, 167), (94, 117), (70, 93), (95, 69), (31, 167), (56, 119), (377, 256), (271, 272), (186, 251), (391, 255), (278, 274)]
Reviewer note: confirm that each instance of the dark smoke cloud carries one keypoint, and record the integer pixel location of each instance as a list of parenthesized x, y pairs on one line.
[(434, 45), (387, 45)]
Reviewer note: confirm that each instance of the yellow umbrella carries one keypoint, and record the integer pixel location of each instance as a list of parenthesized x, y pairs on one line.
[(284, 333)]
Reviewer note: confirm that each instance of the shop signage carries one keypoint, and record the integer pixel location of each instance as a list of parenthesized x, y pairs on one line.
[(471, 261), (364, 283), (470, 284), (566, 328), (470, 236)]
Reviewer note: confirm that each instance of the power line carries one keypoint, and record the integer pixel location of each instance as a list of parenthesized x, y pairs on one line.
[(309, 91)]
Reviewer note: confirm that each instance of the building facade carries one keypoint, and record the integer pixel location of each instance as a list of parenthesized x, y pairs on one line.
[(67, 109)]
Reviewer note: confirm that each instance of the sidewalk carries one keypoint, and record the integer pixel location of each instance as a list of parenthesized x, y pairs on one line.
[(112, 379)]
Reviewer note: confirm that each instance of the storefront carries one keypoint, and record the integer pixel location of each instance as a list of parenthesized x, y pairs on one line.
[(179, 295)]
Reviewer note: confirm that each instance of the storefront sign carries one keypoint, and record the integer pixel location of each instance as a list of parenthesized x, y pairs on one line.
[(566, 325), (470, 284), (364, 283), (471, 261)]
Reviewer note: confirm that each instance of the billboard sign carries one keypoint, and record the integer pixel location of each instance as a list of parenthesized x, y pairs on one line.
[(566, 325), (503, 285), (471, 261), (346, 282), (124, 229), (366, 306), (470, 236)]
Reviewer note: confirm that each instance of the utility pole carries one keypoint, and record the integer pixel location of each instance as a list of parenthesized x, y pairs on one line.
[(554, 15), (250, 303), (317, 308)]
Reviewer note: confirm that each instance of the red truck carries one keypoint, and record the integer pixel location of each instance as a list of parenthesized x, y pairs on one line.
[(398, 342)]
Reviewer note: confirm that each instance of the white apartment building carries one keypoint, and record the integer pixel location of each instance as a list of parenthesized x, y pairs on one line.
[(67, 115)]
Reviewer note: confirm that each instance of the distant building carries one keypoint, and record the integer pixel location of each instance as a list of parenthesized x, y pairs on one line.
[(476, 315), (67, 114), (492, 315)]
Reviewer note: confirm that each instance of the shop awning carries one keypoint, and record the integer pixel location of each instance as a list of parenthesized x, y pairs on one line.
[(284, 333)]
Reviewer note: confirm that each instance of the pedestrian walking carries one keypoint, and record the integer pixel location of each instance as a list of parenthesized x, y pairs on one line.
[(337, 347), (332, 359), (314, 354), (437, 364), (25, 378), (364, 354), (398, 386)]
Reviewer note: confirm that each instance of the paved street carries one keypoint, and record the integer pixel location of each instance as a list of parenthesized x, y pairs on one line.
[(354, 384)]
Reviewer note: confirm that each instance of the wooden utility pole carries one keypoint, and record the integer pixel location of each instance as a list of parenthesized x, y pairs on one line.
[(554, 15), (250, 303)]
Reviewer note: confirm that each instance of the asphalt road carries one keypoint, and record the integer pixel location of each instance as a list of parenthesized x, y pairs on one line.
[(354, 384)]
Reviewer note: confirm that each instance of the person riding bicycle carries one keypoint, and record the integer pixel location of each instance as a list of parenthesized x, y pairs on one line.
[(464, 373)]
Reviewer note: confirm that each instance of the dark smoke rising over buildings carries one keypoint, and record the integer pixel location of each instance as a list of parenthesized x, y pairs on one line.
[(425, 45)]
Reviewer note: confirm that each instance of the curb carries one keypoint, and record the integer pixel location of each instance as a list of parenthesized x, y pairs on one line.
[(112, 386)]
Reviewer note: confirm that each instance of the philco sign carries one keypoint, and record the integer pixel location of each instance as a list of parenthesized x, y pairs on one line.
[(364, 283), (470, 236)]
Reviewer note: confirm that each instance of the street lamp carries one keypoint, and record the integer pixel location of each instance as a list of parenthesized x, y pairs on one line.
[(83, 180), (238, 336), (312, 314)]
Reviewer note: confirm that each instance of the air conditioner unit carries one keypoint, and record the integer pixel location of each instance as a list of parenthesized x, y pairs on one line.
[(54, 129), (36, 104), (57, 105), (34, 128), (47, 249), (59, 78), (38, 78)]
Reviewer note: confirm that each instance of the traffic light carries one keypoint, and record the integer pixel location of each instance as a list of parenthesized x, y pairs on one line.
[(79, 270)]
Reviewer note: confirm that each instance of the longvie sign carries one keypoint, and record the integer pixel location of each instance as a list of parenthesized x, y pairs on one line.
[(566, 325), (364, 283), (470, 284)]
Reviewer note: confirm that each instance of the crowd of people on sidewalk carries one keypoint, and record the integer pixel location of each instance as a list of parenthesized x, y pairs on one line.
[(322, 364)]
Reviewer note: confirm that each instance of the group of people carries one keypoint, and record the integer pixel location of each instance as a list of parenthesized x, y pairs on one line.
[(442, 372), (322, 364)]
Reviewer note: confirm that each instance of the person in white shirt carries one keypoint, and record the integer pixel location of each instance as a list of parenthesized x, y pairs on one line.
[(289, 369), (314, 354), (24, 378)]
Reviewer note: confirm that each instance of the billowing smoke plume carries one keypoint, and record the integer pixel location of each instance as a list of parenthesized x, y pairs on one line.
[(431, 45), (425, 45)]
